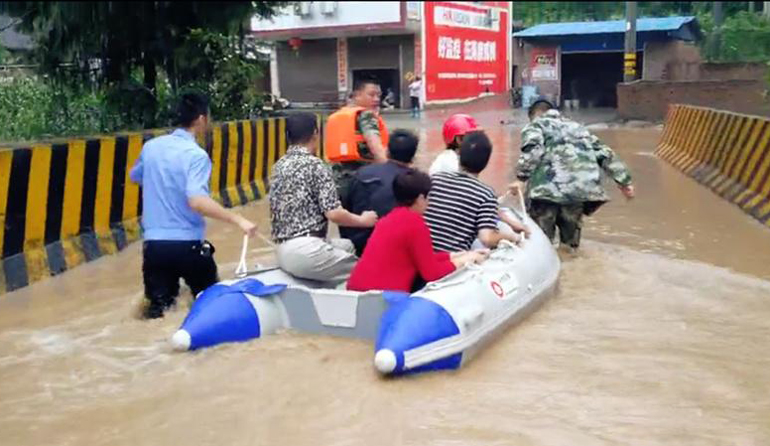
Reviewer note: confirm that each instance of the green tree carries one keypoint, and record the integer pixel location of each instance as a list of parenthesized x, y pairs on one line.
[(82, 42)]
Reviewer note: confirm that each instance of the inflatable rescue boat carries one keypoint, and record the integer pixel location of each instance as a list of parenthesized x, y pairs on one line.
[(441, 326)]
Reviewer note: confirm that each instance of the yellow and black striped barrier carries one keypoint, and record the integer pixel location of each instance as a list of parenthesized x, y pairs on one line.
[(727, 152), (63, 204)]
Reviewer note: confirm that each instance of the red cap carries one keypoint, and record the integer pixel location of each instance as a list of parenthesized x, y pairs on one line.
[(458, 125)]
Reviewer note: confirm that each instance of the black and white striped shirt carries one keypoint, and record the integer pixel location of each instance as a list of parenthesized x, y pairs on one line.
[(459, 206)]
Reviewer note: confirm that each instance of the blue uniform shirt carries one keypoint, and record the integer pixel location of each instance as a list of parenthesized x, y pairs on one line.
[(171, 169)]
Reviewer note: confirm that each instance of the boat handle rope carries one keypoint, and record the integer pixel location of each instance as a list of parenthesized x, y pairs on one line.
[(522, 204), (243, 269)]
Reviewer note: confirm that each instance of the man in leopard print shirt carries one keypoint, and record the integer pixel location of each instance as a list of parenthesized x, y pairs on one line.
[(303, 199)]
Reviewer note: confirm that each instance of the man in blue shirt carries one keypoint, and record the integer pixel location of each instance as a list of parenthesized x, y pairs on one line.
[(372, 187), (174, 173)]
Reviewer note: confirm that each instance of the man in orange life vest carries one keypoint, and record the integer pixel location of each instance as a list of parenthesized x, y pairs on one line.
[(356, 136)]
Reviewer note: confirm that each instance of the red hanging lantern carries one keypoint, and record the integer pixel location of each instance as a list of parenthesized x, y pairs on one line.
[(295, 43)]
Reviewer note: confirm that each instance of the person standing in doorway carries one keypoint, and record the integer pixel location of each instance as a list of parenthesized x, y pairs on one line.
[(414, 94), (174, 172)]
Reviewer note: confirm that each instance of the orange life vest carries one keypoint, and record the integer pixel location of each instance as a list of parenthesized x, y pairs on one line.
[(342, 136)]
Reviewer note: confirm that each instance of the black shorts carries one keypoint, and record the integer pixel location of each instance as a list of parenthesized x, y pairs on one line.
[(166, 261), (415, 102)]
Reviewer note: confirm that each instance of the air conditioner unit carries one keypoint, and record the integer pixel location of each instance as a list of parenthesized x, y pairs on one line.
[(328, 8), (302, 9)]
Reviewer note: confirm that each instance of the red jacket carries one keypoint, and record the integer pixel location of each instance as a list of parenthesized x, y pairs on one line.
[(397, 251)]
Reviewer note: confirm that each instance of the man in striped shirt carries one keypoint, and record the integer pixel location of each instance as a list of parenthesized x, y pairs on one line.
[(462, 208)]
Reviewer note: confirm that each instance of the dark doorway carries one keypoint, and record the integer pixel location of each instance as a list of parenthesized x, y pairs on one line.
[(592, 77), (387, 78)]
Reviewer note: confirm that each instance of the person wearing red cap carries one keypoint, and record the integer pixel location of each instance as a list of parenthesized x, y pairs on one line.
[(454, 131)]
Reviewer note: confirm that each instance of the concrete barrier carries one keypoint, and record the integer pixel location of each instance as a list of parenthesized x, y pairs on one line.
[(70, 202), (727, 152)]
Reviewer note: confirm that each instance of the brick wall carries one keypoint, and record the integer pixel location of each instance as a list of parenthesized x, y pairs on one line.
[(649, 100), (671, 60)]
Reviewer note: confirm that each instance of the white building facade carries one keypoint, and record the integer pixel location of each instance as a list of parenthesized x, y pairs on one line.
[(461, 50)]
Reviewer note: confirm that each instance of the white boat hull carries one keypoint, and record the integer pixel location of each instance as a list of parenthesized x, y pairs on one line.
[(442, 326)]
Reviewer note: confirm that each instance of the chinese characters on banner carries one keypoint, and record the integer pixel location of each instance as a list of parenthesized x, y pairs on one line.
[(342, 64), (466, 50), (449, 48)]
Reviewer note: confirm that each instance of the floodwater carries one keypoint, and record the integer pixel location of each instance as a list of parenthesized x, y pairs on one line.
[(658, 335)]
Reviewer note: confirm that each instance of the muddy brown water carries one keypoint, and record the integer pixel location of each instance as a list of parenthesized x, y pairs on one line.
[(658, 335)]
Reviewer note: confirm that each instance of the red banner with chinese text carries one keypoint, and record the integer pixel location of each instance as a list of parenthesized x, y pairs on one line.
[(466, 50)]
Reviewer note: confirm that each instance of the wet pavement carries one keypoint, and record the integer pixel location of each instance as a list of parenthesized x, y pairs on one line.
[(658, 335)]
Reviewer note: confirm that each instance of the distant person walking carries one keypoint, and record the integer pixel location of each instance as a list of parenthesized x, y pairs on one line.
[(414, 94)]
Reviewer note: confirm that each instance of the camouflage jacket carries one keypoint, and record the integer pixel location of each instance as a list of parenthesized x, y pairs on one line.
[(367, 124), (563, 161)]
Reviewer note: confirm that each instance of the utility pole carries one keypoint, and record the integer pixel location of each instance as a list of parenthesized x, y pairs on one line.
[(629, 59), (766, 9), (719, 18)]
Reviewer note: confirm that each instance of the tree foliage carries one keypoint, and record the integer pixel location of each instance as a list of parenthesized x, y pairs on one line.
[(744, 37), (133, 50), (125, 35)]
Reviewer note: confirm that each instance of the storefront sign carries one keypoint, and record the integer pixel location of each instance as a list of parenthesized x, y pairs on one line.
[(460, 18), (466, 50), (543, 65), (342, 64), (413, 10)]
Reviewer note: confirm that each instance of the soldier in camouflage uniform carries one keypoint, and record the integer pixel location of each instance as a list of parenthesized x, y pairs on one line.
[(366, 94), (562, 163)]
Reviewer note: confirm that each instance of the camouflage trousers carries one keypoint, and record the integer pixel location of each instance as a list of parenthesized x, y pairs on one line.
[(344, 174), (567, 217)]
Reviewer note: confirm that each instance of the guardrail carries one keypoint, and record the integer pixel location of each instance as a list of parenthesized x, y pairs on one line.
[(70, 202)]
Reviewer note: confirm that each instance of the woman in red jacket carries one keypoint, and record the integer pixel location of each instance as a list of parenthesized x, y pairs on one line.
[(400, 247)]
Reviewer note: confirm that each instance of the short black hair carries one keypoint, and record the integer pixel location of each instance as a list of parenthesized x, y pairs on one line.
[(362, 83), (475, 152), (402, 146), (191, 106), (300, 127), (540, 103), (409, 185)]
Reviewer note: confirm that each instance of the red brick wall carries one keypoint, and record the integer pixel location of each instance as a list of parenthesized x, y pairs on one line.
[(672, 60), (649, 100), (713, 71)]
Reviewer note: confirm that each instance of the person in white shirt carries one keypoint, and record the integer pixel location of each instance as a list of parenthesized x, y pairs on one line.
[(455, 129), (414, 94)]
